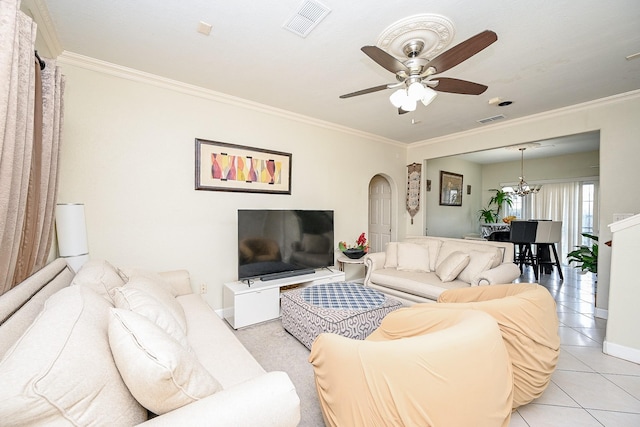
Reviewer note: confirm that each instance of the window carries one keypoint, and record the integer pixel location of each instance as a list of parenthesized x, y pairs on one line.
[(573, 203), (588, 209), (515, 209)]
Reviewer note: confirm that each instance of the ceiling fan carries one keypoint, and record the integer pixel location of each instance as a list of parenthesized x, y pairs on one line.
[(415, 75)]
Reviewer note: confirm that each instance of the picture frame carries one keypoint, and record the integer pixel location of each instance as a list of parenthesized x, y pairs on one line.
[(450, 189), (220, 166)]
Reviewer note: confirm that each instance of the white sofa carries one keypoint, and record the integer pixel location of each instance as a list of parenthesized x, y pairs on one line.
[(420, 268), (105, 347)]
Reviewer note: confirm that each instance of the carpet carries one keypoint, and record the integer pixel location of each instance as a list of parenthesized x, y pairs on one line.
[(276, 350)]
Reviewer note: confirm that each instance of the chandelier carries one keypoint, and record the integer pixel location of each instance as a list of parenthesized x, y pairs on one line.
[(522, 188)]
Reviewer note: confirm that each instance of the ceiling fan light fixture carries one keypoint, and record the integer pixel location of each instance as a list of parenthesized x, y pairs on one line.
[(398, 98), (429, 96), (416, 91), (409, 105)]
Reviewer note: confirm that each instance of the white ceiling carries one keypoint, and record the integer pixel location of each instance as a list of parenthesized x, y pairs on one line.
[(549, 54)]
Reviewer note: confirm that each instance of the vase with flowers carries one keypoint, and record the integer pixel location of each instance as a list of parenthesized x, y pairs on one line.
[(355, 251)]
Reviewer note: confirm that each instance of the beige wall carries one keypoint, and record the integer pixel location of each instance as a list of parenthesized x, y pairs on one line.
[(617, 120), (128, 154), (453, 221)]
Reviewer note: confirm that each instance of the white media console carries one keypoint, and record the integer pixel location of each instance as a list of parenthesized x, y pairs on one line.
[(246, 305)]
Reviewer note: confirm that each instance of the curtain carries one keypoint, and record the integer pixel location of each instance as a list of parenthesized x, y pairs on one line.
[(560, 202), (30, 122)]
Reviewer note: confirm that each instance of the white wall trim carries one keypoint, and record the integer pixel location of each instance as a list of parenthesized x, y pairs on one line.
[(38, 10), (601, 313), (532, 118), (621, 351), (88, 63)]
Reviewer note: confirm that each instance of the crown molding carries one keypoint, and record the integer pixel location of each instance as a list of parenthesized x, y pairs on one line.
[(39, 12), (88, 63), (531, 118)]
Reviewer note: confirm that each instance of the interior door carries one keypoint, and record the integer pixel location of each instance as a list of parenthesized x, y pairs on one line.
[(379, 213)]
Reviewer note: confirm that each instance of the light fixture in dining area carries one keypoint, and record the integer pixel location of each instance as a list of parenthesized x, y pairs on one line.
[(522, 188)]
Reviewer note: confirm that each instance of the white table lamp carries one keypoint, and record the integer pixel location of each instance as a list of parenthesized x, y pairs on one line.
[(71, 230)]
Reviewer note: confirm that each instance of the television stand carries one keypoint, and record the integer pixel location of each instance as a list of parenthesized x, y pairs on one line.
[(247, 304)]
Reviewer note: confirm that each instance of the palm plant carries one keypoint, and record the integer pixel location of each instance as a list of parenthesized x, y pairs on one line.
[(490, 215), (586, 257)]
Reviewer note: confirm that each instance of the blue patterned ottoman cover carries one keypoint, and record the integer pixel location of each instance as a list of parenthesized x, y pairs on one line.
[(347, 309)]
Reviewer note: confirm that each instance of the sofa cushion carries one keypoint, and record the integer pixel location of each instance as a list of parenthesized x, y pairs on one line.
[(159, 291), (452, 265), (61, 370), (426, 285), (449, 246), (478, 262), (151, 276), (432, 244), (143, 303), (391, 255), (412, 257), (100, 276), (158, 371)]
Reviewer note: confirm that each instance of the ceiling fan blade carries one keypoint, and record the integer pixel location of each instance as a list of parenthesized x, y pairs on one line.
[(364, 91), (463, 51), (385, 60), (464, 87)]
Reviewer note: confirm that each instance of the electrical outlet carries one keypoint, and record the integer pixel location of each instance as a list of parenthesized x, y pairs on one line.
[(203, 288)]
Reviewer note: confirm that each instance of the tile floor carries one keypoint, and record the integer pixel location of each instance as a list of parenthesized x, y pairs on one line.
[(588, 388)]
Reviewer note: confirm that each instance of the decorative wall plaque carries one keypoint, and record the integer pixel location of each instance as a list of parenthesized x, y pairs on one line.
[(414, 171)]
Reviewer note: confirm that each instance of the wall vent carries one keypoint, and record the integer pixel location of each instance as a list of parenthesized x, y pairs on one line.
[(306, 17), (491, 119)]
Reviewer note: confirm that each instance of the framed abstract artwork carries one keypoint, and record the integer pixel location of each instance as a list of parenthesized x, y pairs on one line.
[(450, 189), (229, 167)]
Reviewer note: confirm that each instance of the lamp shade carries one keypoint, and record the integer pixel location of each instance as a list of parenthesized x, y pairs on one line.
[(71, 231), (398, 97), (429, 96)]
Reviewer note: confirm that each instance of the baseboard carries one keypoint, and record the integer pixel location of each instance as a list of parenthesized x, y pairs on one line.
[(622, 352), (601, 313)]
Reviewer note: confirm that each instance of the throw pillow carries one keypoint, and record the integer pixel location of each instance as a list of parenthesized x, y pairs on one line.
[(478, 262), (161, 293), (152, 276), (391, 255), (158, 371), (146, 305), (61, 371), (451, 266), (413, 257), (100, 276)]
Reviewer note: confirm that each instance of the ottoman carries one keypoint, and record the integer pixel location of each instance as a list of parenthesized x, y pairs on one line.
[(347, 309)]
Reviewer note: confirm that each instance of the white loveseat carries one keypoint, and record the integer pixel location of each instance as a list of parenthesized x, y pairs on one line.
[(106, 347), (420, 268)]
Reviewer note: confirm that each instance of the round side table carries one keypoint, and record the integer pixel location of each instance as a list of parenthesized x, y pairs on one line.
[(343, 259)]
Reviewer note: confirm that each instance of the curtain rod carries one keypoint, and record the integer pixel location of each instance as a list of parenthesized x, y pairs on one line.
[(40, 61)]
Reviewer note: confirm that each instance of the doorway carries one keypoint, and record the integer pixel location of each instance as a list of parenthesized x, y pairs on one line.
[(379, 213)]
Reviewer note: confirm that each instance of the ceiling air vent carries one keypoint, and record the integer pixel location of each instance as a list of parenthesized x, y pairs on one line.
[(306, 17), (491, 119)]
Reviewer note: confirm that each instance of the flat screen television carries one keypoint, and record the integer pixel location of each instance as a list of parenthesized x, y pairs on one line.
[(282, 243)]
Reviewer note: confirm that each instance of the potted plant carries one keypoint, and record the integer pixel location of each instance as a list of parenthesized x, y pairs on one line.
[(491, 215), (586, 257), (355, 251)]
